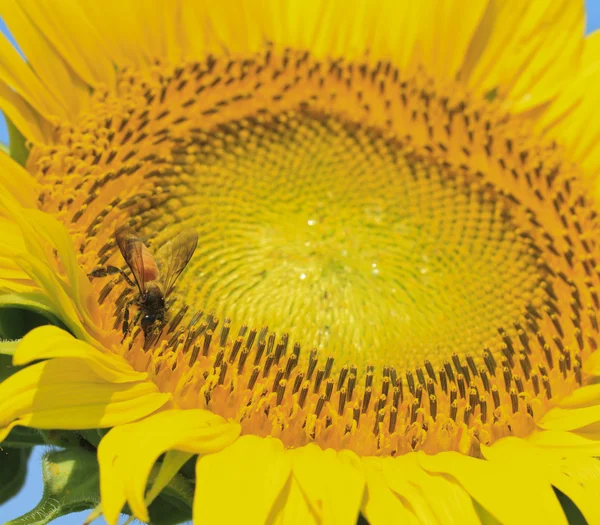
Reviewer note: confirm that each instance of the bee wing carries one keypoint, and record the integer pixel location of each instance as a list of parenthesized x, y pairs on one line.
[(174, 256), (131, 249)]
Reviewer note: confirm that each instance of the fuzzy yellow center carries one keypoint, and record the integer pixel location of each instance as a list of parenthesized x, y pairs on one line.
[(349, 243), (384, 264)]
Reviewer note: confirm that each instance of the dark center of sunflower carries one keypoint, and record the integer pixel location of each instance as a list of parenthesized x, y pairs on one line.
[(435, 263)]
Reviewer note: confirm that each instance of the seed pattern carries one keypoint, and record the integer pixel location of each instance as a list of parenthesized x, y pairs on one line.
[(136, 158)]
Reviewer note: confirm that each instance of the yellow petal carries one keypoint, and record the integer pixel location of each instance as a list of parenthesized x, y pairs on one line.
[(554, 467), (402, 42), (12, 235), (195, 29), (124, 42), (581, 397), (12, 240), (26, 120), (28, 300), (161, 31), (16, 74), (18, 181), (515, 496), (65, 25), (236, 24), (255, 469), (567, 442), (61, 81), (398, 481), (12, 277), (50, 283), (570, 98), (292, 507), (67, 394), (170, 466), (443, 47), (382, 506), (127, 453), (585, 472), (46, 342), (41, 234), (528, 50), (332, 482), (572, 118), (558, 418), (80, 289), (433, 498)]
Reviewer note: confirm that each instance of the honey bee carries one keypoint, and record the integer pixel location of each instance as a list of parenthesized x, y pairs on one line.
[(155, 276)]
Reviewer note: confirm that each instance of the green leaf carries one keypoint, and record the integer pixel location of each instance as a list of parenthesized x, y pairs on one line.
[(17, 143), (13, 468), (71, 484)]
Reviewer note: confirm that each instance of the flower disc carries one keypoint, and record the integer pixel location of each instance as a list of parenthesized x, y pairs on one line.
[(385, 264)]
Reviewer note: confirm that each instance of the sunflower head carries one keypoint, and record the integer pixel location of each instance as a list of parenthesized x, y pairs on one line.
[(396, 224)]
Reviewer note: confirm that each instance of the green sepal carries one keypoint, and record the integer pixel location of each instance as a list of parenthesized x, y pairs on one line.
[(188, 471), (6, 367), (13, 468), (167, 510), (572, 513), (71, 484), (174, 503), (63, 438), (485, 517), (17, 143), (16, 321), (23, 437), (93, 436), (8, 349)]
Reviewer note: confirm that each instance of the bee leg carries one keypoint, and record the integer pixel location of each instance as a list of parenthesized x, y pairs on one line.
[(110, 270), (137, 318), (126, 327), (162, 322), (153, 336)]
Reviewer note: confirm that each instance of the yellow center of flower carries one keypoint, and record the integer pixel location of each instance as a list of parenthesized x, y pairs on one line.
[(348, 242), (384, 264)]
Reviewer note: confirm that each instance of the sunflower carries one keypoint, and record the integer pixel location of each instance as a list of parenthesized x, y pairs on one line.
[(393, 309)]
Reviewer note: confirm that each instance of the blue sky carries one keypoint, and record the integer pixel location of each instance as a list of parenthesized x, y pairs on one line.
[(33, 486)]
